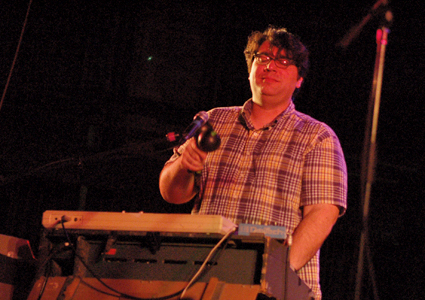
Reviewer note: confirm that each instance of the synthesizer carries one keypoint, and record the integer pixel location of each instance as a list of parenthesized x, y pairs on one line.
[(145, 222)]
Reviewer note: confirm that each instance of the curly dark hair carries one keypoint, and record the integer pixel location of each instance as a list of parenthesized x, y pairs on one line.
[(282, 39)]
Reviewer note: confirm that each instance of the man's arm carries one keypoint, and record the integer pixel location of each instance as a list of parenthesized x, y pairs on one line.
[(177, 179), (308, 237)]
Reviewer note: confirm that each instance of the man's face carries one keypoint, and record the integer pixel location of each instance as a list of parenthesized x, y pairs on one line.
[(271, 84)]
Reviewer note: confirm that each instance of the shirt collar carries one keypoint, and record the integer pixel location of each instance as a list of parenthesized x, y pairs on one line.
[(245, 115)]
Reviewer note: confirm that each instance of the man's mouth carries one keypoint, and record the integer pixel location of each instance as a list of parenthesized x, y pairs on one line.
[(268, 79)]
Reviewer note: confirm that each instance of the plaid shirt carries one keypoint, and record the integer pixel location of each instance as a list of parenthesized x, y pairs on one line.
[(264, 176)]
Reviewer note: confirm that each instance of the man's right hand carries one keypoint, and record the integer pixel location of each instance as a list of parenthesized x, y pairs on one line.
[(177, 181), (193, 159)]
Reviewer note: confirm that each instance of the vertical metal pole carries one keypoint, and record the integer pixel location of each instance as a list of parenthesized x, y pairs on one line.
[(369, 154)]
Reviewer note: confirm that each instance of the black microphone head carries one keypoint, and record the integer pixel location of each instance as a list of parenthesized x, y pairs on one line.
[(207, 139)]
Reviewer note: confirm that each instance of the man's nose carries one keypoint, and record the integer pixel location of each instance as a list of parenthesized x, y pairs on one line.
[(271, 65)]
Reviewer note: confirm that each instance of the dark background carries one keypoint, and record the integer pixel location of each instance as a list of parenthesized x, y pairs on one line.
[(98, 83)]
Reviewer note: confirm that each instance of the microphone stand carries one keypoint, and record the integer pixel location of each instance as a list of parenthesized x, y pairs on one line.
[(369, 157), (369, 150)]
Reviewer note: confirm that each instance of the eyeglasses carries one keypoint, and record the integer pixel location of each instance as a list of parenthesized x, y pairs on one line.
[(281, 62)]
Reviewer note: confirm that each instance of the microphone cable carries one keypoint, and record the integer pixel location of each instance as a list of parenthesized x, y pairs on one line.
[(226, 237)]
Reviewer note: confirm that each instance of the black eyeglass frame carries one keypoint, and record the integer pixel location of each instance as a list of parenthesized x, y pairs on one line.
[(278, 60)]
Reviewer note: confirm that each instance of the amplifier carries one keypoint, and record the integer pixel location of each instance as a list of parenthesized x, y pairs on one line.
[(16, 267)]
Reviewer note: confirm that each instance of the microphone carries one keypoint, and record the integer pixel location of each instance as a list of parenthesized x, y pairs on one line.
[(198, 121)]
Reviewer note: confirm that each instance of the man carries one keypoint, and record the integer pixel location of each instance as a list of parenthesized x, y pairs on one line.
[(275, 165)]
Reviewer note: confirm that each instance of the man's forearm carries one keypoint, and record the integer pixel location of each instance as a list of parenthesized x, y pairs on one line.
[(310, 234), (176, 184)]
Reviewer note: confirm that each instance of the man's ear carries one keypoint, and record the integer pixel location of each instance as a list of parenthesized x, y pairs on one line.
[(299, 82)]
